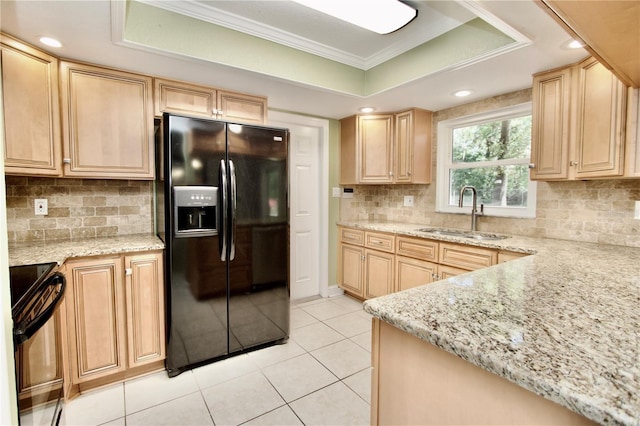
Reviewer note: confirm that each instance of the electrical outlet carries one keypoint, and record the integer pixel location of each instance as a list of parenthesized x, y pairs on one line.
[(41, 208), (408, 200)]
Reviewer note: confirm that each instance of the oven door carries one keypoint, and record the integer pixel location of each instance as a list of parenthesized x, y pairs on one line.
[(38, 346)]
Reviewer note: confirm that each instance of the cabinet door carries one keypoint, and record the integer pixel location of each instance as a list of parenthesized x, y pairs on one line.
[(632, 138), (31, 113), (107, 123), (184, 98), (375, 135), (550, 131), (97, 318), (445, 272), (412, 147), (145, 308), (350, 276), (601, 109), (413, 272), (241, 108), (378, 273)]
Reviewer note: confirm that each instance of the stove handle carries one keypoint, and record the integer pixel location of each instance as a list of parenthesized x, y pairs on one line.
[(24, 330)]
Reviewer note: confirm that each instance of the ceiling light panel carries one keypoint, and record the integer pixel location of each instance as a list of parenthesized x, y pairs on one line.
[(380, 16)]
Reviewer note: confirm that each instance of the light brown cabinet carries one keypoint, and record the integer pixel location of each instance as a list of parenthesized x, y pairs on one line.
[(372, 264), (145, 308), (350, 271), (378, 273), (366, 262), (578, 116), (31, 110), (208, 102), (107, 118), (386, 148), (412, 272), (115, 314)]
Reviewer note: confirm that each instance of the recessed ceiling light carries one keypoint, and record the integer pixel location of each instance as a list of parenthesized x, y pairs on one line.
[(367, 109), (51, 42), (380, 16), (462, 93), (575, 44)]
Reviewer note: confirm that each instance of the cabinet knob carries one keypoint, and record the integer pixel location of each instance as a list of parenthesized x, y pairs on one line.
[(532, 166), (363, 257), (573, 163), (409, 173), (66, 160), (390, 173), (128, 271)]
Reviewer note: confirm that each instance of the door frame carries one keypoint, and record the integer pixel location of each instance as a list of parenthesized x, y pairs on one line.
[(282, 119)]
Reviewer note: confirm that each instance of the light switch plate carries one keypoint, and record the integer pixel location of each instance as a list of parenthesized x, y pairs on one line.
[(335, 192), (408, 200)]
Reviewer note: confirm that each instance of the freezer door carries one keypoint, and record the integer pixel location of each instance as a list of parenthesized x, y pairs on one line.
[(258, 286)]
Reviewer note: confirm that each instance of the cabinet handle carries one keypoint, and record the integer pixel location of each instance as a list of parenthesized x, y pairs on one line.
[(66, 160), (409, 173), (391, 174), (573, 163), (128, 271), (363, 257), (532, 166)]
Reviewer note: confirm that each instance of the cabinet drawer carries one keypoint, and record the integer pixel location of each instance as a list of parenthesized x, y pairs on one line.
[(352, 236), (467, 257), (377, 241), (506, 256), (418, 248)]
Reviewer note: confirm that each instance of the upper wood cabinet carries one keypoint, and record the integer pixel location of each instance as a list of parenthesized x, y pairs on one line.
[(578, 125), (632, 144), (107, 118), (386, 148), (31, 110), (208, 102)]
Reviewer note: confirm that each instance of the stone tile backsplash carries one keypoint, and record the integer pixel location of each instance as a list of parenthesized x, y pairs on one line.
[(77, 208), (590, 211)]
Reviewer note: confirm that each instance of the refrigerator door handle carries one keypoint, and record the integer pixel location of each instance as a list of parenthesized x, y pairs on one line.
[(225, 203), (232, 227)]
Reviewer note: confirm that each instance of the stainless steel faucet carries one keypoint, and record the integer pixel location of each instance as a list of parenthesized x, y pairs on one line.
[(474, 210)]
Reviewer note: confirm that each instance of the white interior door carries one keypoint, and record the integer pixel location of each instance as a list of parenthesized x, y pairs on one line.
[(308, 204)]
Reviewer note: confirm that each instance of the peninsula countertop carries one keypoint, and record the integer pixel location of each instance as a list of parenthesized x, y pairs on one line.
[(563, 323), (59, 250)]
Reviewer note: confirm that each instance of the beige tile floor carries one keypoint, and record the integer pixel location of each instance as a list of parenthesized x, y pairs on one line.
[(321, 376)]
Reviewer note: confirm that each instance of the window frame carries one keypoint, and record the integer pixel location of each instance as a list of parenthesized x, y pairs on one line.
[(445, 163)]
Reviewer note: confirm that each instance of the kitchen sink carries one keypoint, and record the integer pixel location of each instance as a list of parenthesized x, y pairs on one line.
[(463, 234)]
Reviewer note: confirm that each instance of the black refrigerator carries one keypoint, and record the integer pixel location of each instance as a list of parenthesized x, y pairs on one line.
[(222, 211)]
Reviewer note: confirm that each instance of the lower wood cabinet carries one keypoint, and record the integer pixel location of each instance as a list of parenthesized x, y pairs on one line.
[(115, 314), (378, 273), (373, 264), (413, 272), (350, 272)]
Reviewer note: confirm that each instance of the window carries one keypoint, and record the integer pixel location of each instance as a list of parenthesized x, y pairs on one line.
[(491, 152)]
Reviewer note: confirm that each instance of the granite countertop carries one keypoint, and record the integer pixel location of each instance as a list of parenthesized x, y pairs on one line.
[(60, 250), (563, 323)]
